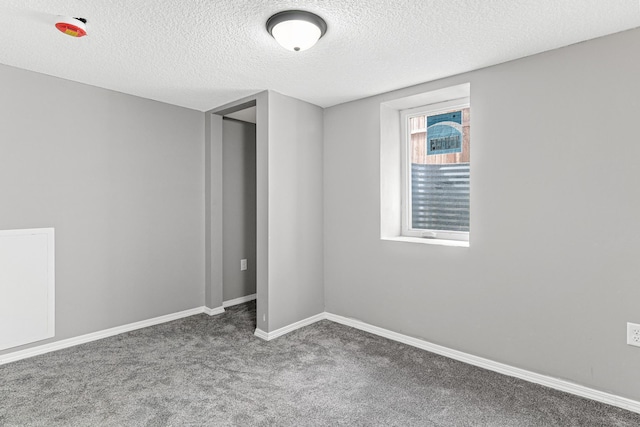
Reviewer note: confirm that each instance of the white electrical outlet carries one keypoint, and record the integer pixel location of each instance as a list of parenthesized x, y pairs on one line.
[(633, 334), (243, 264)]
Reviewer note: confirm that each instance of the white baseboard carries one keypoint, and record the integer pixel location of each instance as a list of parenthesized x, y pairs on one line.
[(551, 382), (237, 301), (94, 336), (268, 336), (213, 311), (261, 334)]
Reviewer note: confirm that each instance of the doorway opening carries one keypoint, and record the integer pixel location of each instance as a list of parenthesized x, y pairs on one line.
[(239, 219)]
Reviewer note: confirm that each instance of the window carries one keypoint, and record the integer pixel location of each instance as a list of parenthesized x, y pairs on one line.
[(436, 172), (396, 207)]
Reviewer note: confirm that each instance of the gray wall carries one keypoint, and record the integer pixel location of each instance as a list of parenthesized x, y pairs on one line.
[(121, 179), (295, 211), (551, 276), (238, 208)]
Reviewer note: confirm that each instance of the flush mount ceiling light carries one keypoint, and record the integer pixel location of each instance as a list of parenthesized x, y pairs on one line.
[(296, 30)]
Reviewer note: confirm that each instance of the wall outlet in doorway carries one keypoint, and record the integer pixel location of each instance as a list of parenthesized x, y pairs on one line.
[(243, 264), (633, 334)]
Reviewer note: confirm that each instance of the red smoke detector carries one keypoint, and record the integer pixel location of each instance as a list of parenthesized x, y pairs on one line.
[(74, 27)]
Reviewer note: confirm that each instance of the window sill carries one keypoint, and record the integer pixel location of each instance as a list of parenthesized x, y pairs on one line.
[(421, 240)]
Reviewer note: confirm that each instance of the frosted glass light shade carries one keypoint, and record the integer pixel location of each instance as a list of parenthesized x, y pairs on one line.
[(296, 30), (296, 35)]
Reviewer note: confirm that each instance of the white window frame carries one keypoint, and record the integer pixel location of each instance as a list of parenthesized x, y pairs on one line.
[(405, 115)]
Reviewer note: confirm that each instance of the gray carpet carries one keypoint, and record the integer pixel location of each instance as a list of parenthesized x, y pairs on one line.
[(210, 371)]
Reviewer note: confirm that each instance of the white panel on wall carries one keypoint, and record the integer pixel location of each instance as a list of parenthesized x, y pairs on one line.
[(27, 286)]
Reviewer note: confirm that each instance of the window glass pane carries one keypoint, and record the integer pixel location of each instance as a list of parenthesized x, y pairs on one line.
[(440, 171)]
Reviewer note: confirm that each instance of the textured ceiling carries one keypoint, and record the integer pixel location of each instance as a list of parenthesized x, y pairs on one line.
[(204, 53)]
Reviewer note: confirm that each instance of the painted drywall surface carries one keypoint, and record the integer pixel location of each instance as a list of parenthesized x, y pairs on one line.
[(121, 179), (551, 276), (208, 211), (238, 208), (295, 210), (262, 210)]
